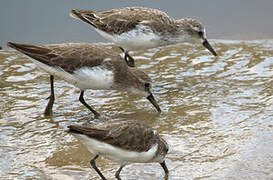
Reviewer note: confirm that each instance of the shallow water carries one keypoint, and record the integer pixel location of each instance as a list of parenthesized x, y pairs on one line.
[(217, 115)]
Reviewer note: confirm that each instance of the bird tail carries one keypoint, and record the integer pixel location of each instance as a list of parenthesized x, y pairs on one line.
[(38, 53), (84, 15), (89, 131), (28, 49)]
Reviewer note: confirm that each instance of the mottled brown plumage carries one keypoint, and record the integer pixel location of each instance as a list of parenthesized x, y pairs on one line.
[(72, 56), (128, 135), (118, 21), (69, 56), (136, 28), (135, 138), (79, 62)]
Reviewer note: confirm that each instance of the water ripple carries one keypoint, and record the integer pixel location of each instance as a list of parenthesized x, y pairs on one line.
[(217, 115)]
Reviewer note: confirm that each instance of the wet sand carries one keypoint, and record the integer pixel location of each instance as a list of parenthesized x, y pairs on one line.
[(217, 115)]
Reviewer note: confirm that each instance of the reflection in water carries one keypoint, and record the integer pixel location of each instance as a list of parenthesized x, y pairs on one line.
[(217, 115)]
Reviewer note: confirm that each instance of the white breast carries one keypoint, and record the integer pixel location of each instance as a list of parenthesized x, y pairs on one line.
[(85, 78), (117, 154), (94, 78), (139, 38)]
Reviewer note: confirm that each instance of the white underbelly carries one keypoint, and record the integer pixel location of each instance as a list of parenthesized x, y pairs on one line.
[(83, 78), (115, 153), (137, 39)]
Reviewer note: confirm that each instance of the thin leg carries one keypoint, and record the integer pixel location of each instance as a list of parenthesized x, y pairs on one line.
[(118, 172), (86, 105), (163, 165), (48, 110), (93, 164), (121, 49), (128, 59)]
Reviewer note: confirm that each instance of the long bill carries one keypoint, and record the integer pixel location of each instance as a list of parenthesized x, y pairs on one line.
[(208, 46), (153, 101)]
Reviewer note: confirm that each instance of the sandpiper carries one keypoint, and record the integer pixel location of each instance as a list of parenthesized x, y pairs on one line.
[(136, 28), (124, 142), (87, 66)]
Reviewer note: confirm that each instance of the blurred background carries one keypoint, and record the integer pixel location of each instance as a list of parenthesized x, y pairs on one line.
[(36, 21)]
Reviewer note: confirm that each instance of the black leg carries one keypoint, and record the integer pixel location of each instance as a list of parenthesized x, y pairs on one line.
[(48, 110), (128, 59), (163, 165), (86, 105), (118, 172), (93, 164), (121, 49)]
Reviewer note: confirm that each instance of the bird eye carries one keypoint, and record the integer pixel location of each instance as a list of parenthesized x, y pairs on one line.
[(147, 85), (200, 33)]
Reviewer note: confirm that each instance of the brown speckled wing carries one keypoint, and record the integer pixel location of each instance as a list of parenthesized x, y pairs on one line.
[(93, 132), (118, 21), (127, 135), (36, 52), (69, 56)]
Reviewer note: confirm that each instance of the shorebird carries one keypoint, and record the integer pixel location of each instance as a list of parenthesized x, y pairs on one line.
[(87, 66), (124, 142), (136, 28)]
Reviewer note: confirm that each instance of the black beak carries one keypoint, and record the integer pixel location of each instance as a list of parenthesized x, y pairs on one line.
[(208, 46), (163, 165), (153, 101)]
